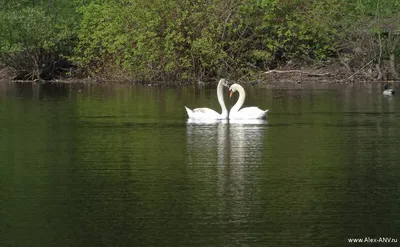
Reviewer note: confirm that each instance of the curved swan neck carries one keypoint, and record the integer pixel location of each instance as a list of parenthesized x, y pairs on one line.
[(221, 101), (242, 97)]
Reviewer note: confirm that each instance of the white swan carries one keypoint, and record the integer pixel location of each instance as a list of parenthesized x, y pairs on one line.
[(207, 113), (247, 112)]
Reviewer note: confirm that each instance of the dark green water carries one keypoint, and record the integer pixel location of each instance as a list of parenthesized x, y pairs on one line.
[(121, 166)]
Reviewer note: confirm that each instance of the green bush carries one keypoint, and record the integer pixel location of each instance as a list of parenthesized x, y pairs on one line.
[(190, 39), (36, 37)]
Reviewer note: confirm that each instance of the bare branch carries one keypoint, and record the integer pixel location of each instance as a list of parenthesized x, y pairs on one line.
[(297, 71)]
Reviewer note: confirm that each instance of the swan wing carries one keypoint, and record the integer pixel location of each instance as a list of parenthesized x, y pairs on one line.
[(202, 113), (250, 113), (206, 113)]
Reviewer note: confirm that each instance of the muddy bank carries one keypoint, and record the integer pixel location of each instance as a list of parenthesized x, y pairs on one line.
[(305, 74), (326, 73)]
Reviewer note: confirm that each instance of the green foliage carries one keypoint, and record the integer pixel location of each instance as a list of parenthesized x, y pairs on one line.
[(186, 39), (151, 39), (35, 35), (265, 34), (371, 29)]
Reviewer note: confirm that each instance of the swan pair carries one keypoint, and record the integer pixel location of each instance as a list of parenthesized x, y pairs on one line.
[(235, 112)]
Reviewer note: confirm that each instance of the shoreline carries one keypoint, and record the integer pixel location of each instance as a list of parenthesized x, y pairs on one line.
[(308, 75)]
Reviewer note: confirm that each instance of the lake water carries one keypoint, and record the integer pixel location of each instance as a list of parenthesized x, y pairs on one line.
[(119, 165)]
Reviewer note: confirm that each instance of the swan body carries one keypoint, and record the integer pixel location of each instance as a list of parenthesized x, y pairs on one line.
[(247, 112), (207, 113), (388, 91)]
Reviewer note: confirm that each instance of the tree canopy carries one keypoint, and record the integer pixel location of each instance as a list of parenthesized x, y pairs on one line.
[(193, 39)]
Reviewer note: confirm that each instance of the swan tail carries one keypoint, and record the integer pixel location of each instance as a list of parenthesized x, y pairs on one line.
[(264, 115), (189, 112)]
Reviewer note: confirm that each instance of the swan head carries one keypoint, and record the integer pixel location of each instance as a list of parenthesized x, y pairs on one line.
[(224, 82), (233, 89)]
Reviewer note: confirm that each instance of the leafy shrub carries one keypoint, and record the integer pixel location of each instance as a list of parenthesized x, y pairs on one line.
[(34, 39)]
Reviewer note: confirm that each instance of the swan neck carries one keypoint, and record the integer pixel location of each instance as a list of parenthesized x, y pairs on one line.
[(221, 101), (239, 103)]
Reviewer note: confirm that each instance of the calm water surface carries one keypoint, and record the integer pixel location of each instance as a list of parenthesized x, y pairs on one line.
[(121, 166)]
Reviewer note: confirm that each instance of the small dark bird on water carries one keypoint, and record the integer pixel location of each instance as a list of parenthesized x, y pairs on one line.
[(388, 91)]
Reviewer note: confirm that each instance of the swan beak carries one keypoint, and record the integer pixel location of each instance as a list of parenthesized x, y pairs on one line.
[(230, 93)]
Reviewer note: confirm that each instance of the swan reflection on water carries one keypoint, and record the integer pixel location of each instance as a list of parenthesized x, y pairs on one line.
[(226, 157), (192, 121), (224, 134), (226, 121), (216, 139), (225, 141)]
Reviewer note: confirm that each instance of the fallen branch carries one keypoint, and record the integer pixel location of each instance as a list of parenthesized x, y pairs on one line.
[(297, 71), (360, 69)]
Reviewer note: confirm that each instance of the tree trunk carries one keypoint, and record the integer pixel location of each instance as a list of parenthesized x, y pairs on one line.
[(393, 70), (378, 69)]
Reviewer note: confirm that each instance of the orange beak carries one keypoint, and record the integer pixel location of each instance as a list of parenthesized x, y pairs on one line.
[(230, 93)]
